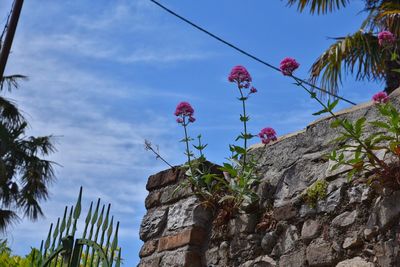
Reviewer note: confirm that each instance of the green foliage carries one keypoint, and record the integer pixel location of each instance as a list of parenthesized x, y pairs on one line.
[(358, 53), (24, 174), (97, 246), (362, 147), (316, 192), (229, 187), (7, 259)]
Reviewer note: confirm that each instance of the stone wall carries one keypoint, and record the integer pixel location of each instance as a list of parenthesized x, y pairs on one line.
[(175, 228), (353, 226)]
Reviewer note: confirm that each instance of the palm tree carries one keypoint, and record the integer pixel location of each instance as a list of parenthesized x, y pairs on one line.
[(358, 53), (24, 174)]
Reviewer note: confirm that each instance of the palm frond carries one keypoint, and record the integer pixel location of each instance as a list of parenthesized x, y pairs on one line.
[(358, 54), (11, 81), (388, 17), (9, 113), (319, 6), (7, 217)]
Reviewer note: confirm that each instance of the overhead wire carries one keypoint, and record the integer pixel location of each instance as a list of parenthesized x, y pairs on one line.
[(297, 79), (7, 21)]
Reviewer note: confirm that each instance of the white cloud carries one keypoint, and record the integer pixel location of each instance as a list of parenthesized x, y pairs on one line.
[(97, 149)]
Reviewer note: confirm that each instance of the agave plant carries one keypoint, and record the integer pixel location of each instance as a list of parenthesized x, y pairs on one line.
[(358, 53)]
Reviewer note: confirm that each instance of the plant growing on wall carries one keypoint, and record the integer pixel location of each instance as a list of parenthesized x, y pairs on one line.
[(231, 190), (376, 154)]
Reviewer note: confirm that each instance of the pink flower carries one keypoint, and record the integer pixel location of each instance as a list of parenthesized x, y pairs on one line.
[(386, 38), (184, 109), (288, 65), (192, 119), (253, 90), (179, 120), (240, 75), (380, 97), (267, 135)]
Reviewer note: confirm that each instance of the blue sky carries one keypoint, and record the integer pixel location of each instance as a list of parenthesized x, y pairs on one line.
[(105, 75)]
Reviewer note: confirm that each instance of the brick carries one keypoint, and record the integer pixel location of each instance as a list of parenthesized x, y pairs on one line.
[(148, 248), (152, 200), (193, 236), (163, 178)]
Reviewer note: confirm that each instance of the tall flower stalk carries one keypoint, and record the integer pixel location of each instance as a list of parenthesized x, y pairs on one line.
[(241, 77), (184, 112), (353, 132)]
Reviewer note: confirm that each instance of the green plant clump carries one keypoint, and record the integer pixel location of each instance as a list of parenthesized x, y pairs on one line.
[(317, 191)]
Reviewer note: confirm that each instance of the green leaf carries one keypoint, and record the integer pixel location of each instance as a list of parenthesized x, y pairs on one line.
[(244, 118), (320, 112), (332, 105), (380, 124), (394, 57), (359, 125), (336, 123), (395, 70), (227, 197), (350, 174)]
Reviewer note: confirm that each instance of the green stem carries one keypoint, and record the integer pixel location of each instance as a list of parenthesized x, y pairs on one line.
[(244, 126), (380, 162), (187, 144), (200, 150)]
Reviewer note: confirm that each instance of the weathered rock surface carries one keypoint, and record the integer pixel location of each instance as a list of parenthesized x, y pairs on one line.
[(345, 219), (153, 223), (320, 253), (310, 229), (354, 226), (355, 262)]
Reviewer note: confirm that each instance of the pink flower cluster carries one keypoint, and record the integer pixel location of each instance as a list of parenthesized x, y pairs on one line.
[(241, 76), (267, 135), (183, 110), (386, 38), (380, 98), (288, 65)]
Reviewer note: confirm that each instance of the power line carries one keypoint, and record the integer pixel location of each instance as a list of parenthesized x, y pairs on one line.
[(297, 79)]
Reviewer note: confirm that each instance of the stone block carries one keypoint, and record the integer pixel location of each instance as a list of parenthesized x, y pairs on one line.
[(261, 261), (352, 241), (187, 212), (212, 256), (243, 223), (320, 253), (148, 248), (153, 223), (269, 241), (355, 262), (192, 236), (163, 178), (152, 200), (310, 230), (385, 211), (331, 202), (182, 258), (170, 194), (294, 259), (150, 262), (345, 219), (285, 212), (386, 253), (286, 241)]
